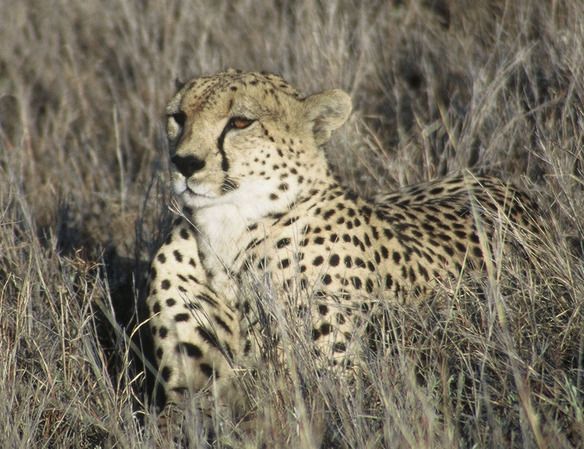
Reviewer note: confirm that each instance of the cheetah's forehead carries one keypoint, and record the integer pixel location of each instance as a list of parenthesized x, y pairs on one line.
[(203, 92)]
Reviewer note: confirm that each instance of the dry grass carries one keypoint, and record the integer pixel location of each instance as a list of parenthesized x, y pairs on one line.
[(497, 86)]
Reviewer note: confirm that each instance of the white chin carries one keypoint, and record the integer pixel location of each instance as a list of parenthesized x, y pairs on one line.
[(197, 197), (195, 201)]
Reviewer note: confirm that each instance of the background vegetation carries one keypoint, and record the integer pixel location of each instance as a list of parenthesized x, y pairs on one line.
[(438, 86)]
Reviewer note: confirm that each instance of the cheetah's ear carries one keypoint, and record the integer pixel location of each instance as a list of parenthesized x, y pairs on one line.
[(327, 111)]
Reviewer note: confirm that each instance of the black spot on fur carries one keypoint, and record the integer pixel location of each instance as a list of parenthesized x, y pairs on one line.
[(396, 257), (209, 337), (181, 317), (166, 373), (223, 324), (189, 349), (208, 370), (328, 214), (282, 243), (334, 260), (290, 221), (325, 328)]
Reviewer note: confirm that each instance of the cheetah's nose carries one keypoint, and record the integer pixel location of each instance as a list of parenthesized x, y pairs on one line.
[(187, 165)]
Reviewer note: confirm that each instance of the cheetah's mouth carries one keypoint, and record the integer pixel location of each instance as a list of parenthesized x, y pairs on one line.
[(193, 193), (196, 193), (187, 192)]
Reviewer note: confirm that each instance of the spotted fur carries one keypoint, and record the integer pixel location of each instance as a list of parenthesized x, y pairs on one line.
[(259, 200)]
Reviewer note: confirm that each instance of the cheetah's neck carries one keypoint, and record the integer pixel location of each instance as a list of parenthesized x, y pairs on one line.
[(223, 229)]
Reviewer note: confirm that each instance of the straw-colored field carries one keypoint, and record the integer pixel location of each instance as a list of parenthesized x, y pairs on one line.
[(437, 85)]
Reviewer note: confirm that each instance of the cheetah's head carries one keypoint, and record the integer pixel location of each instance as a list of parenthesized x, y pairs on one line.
[(249, 140)]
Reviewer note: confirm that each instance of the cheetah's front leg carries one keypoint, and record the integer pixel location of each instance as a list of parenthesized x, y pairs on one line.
[(195, 333)]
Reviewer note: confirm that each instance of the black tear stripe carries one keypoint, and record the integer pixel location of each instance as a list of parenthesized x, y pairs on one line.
[(224, 160), (228, 184)]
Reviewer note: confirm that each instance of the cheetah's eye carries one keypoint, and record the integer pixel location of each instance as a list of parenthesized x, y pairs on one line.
[(239, 122), (180, 118), (175, 125)]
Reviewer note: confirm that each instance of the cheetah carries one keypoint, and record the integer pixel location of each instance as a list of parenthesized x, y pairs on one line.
[(259, 201)]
